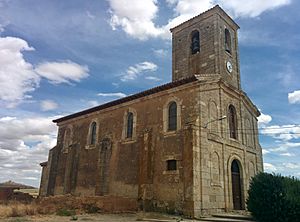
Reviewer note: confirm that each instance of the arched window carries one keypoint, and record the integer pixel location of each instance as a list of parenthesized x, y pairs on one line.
[(195, 42), (172, 123), (232, 122), (129, 130), (235, 167), (93, 133), (227, 41)]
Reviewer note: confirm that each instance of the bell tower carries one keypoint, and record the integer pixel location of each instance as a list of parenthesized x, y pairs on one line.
[(206, 45)]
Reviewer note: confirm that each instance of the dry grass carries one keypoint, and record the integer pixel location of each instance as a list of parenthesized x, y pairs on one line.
[(52, 205), (15, 209), (39, 207)]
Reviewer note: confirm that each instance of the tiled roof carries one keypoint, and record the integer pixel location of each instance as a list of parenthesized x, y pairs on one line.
[(129, 98), (44, 164), (216, 7)]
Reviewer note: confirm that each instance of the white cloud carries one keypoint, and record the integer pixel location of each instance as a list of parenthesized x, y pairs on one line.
[(193, 7), (62, 72), (17, 77), (12, 127), (287, 154), (47, 105), (137, 18), (264, 119), (119, 94), (285, 146), (291, 165), (171, 2), (93, 103), (152, 78), (1, 28), (115, 84), (264, 151), (24, 144), (105, 98), (285, 168), (284, 132), (287, 76), (270, 167), (161, 53), (294, 97), (243, 8), (90, 15), (134, 71)]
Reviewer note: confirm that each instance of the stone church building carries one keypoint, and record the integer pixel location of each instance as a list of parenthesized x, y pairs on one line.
[(189, 146)]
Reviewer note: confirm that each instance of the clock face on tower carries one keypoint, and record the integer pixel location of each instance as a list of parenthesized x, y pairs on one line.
[(229, 66)]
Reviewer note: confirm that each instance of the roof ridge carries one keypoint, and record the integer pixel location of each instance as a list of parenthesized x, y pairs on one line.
[(130, 98), (202, 13), (210, 9)]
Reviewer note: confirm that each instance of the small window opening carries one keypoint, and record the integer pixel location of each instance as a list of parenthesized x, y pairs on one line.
[(129, 125), (171, 165), (172, 116), (227, 41), (195, 42), (232, 122), (93, 133), (235, 167)]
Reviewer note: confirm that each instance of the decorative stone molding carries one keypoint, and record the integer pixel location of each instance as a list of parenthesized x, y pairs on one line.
[(88, 139), (124, 131), (166, 115)]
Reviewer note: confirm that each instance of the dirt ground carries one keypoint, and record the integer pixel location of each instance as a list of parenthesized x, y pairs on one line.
[(150, 217)]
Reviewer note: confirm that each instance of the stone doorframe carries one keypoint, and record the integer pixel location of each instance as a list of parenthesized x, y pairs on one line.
[(242, 181)]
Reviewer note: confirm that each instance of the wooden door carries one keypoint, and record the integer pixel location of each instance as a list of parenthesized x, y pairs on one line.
[(236, 186)]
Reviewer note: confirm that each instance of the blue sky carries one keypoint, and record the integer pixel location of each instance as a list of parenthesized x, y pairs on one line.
[(59, 57)]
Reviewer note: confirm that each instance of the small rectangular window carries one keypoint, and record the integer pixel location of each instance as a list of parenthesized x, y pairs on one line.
[(171, 165)]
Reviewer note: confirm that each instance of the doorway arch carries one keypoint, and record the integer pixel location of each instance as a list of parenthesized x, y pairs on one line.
[(236, 179)]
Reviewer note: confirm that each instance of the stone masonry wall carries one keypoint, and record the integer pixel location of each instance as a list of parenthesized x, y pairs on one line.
[(218, 150), (138, 166), (212, 57)]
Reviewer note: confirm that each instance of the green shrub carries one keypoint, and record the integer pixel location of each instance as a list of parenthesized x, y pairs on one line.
[(274, 198), (65, 212)]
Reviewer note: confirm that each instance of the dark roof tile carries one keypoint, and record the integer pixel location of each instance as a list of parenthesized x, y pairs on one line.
[(129, 98)]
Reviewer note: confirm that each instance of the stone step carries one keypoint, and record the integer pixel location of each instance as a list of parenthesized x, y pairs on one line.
[(234, 216), (154, 220), (219, 219)]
